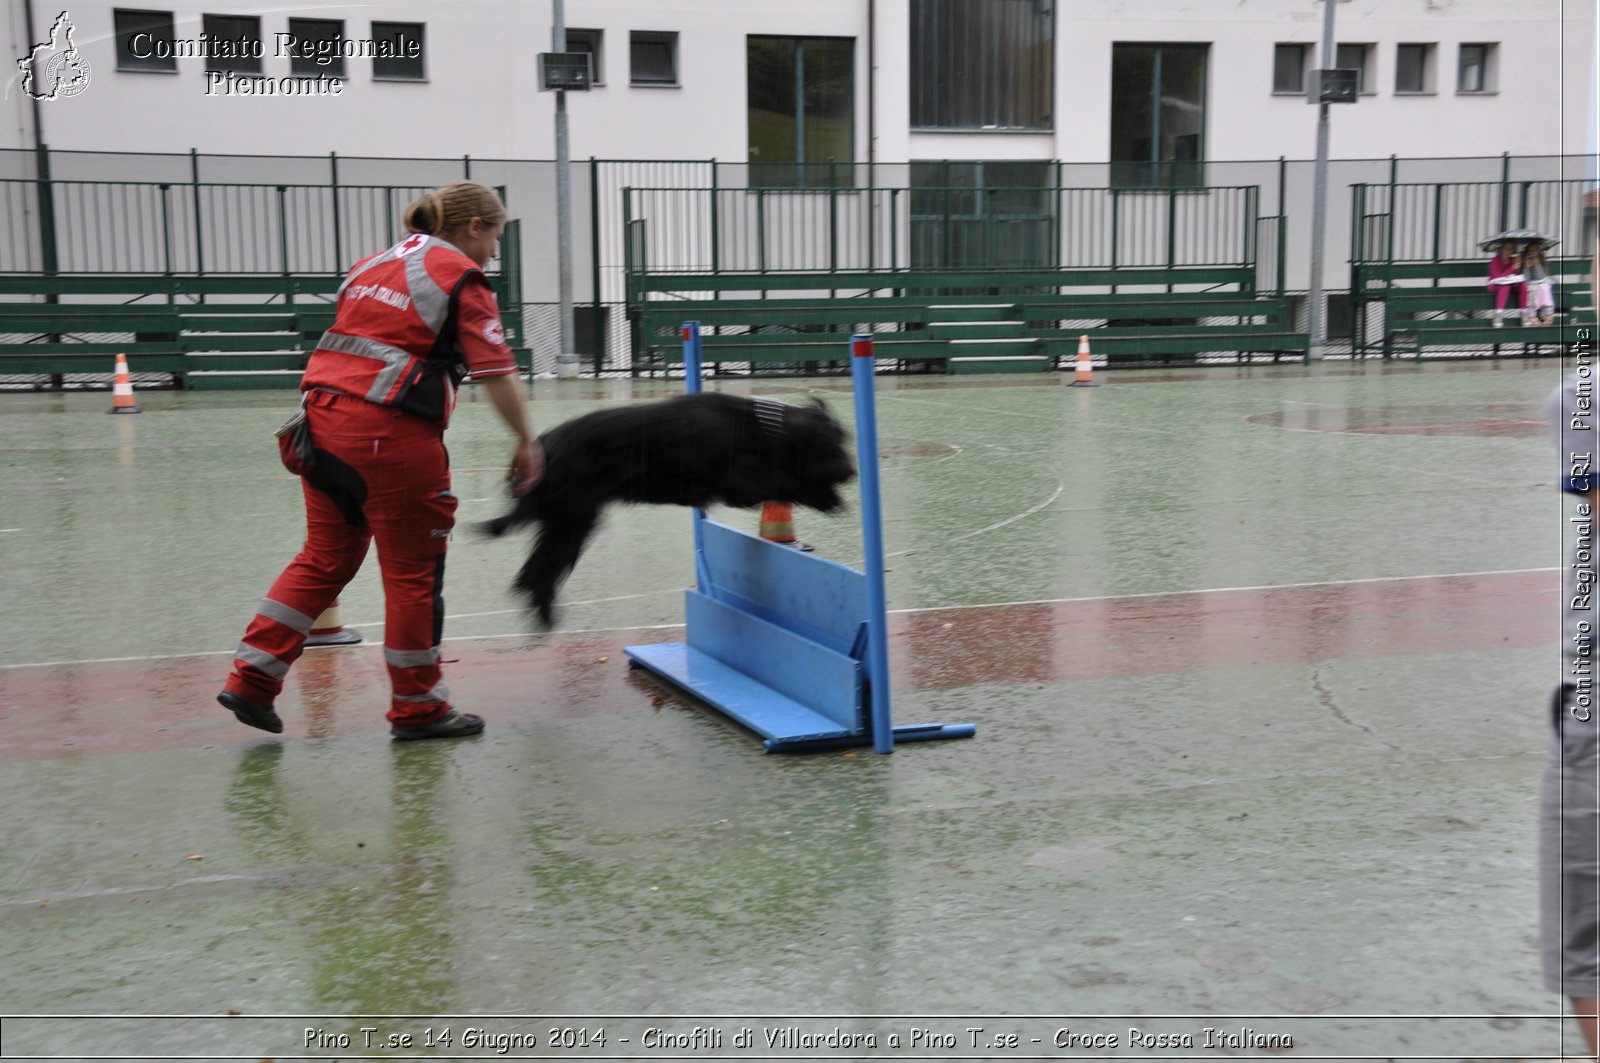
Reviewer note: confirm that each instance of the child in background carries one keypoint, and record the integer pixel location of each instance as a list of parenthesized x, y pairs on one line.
[(1504, 279), (1538, 303)]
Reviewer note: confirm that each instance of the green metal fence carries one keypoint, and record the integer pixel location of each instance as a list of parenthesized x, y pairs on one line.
[(1444, 221), (761, 230), (600, 266), (198, 227)]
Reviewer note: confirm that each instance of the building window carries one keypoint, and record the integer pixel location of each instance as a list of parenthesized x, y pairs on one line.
[(1158, 114), (652, 58), (1475, 71), (316, 46), (588, 42), (1413, 68), (1289, 68), (982, 64), (1354, 57), (144, 40), (233, 42), (802, 104), (399, 54), (983, 215)]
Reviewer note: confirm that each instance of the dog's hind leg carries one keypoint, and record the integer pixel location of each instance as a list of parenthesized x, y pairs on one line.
[(554, 556)]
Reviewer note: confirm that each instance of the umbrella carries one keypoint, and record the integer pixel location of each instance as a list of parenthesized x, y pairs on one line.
[(1516, 236)]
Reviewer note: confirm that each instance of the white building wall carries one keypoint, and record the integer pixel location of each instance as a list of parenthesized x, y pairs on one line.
[(1246, 121), (481, 99)]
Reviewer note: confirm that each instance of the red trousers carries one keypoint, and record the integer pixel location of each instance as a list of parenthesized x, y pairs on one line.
[(397, 461)]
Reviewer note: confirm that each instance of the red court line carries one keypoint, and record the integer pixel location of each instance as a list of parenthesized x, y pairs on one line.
[(69, 710)]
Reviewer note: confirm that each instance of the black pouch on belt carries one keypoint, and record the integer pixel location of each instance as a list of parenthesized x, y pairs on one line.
[(294, 443)]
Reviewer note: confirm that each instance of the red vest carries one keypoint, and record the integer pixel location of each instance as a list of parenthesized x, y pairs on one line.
[(394, 339)]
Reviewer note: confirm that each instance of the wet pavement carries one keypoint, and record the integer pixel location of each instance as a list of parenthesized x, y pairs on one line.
[(1258, 661)]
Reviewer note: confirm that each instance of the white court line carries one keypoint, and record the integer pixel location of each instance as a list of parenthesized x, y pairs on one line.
[(981, 531), (920, 609), (503, 612)]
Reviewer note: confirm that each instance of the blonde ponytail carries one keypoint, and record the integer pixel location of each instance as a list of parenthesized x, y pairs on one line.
[(451, 206)]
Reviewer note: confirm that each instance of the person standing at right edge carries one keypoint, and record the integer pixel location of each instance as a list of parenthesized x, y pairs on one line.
[(1569, 799), (412, 323)]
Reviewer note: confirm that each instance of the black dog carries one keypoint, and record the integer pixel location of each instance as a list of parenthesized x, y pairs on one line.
[(693, 450)]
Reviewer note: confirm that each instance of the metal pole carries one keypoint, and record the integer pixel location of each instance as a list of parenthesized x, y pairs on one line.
[(594, 267), (1319, 198), (41, 186), (566, 355), (338, 242), (194, 186)]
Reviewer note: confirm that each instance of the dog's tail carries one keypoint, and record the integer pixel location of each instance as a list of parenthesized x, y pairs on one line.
[(499, 525), (525, 511)]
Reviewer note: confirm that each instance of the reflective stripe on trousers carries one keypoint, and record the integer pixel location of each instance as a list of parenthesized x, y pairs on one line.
[(409, 513)]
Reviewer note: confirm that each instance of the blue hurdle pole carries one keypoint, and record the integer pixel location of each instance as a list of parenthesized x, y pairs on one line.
[(691, 356), (862, 376), (691, 385)]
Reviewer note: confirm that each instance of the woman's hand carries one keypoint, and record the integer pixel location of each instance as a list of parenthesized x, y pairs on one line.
[(527, 465)]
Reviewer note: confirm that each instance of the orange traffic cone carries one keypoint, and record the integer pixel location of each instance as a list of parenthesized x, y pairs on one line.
[(1083, 372), (122, 389), (777, 525), (329, 630)]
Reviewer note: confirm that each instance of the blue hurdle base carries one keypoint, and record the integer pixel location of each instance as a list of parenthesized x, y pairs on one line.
[(785, 725), (778, 641)]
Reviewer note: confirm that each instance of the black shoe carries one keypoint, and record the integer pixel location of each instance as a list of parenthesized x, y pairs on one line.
[(250, 713), (452, 724)]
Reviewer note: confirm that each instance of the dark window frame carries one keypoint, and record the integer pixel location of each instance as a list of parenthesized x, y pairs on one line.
[(1302, 53), (803, 173), (591, 42), (1424, 68), (216, 26), (392, 69), (1363, 65), (1485, 51), (123, 36), (1159, 173), (669, 38), (1003, 93), (307, 65)]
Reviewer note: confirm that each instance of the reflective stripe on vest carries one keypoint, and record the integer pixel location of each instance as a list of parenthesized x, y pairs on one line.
[(395, 360), (377, 332), (430, 301)]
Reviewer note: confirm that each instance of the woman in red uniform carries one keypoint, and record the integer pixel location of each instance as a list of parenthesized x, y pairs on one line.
[(413, 322)]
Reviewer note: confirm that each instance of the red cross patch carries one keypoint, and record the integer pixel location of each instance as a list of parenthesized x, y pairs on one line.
[(410, 244)]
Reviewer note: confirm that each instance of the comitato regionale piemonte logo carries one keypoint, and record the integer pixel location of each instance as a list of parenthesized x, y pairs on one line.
[(55, 69)]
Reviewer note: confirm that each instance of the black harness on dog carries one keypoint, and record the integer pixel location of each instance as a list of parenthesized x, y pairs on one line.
[(770, 414)]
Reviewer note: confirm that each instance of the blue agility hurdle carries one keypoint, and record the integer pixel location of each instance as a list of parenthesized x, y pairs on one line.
[(792, 645)]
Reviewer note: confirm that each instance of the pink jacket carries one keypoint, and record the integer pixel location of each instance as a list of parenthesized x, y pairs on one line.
[(1499, 268)]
